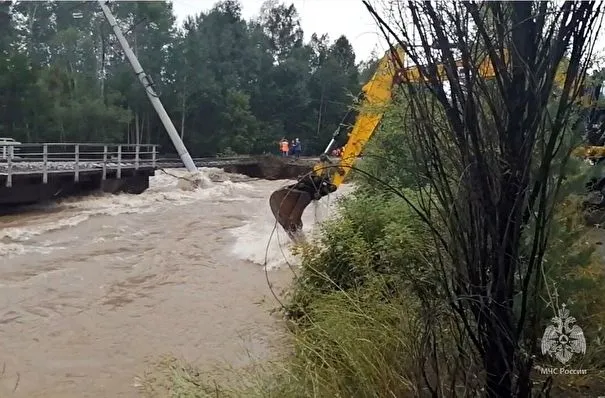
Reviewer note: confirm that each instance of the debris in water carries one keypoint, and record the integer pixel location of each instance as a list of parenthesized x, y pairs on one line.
[(192, 181)]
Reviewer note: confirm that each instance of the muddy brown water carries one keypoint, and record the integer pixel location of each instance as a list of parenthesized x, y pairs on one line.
[(93, 290)]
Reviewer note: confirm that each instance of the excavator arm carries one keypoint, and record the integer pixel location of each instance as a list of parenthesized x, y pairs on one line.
[(288, 204), (377, 94)]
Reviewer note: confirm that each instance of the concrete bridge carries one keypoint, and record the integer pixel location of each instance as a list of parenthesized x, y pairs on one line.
[(32, 173)]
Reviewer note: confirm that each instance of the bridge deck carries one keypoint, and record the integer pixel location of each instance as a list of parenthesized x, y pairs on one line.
[(49, 160), (36, 172)]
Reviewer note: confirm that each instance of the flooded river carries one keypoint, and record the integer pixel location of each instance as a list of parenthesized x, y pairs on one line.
[(93, 290)]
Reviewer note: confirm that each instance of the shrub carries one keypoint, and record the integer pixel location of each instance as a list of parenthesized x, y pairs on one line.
[(374, 238)]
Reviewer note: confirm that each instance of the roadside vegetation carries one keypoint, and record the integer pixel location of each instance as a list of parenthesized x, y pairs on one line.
[(366, 304), (442, 271)]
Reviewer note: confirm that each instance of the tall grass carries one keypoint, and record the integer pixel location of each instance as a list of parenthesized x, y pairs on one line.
[(351, 347)]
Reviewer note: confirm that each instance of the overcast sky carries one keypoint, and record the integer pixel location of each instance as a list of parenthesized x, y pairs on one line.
[(334, 17)]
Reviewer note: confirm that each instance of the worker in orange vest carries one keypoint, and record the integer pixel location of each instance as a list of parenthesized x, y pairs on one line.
[(284, 147)]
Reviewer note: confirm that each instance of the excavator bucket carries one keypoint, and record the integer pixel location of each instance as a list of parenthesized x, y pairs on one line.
[(288, 205)]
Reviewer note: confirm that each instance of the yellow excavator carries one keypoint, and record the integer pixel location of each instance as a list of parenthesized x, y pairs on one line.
[(289, 203)]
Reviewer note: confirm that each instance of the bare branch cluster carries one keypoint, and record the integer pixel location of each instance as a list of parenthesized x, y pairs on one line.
[(491, 153)]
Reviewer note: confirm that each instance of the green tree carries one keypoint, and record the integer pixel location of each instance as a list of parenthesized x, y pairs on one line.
[(226, 82)]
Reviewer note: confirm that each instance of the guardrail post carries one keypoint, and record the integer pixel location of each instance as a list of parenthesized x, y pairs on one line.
[(77, 164), (119, 172), (104, 175), (136, 156), (9, 164), (153, 156), (45, 164)]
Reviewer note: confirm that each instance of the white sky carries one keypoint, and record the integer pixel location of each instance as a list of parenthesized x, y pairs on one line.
[(334, 17)]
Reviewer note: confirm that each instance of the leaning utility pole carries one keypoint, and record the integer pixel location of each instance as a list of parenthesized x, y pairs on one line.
[(153, 97)]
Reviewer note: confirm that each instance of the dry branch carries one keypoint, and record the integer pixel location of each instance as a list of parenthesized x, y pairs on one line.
[(493, 150)]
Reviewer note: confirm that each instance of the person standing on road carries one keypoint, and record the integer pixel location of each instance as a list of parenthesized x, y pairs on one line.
[(284, 147), (297, 148)]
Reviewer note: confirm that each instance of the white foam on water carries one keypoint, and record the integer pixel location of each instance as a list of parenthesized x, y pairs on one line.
[(263, 241), (29, 231), (162, 191), (10, 250)]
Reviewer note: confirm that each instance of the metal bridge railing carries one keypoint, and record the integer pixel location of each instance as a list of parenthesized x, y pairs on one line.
[(48, 158)]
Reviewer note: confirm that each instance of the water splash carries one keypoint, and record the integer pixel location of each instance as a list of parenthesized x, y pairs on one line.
[(262, 241)]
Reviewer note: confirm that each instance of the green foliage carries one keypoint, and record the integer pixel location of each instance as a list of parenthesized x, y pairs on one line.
[(357, 346), (227, 152), (226, 82), (388, 157), (358, 247)]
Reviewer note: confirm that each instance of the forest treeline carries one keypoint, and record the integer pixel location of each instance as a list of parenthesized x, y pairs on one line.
[(229, 85)]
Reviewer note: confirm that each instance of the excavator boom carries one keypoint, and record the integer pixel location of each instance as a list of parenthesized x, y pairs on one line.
[(377, 93), (288, 204)]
